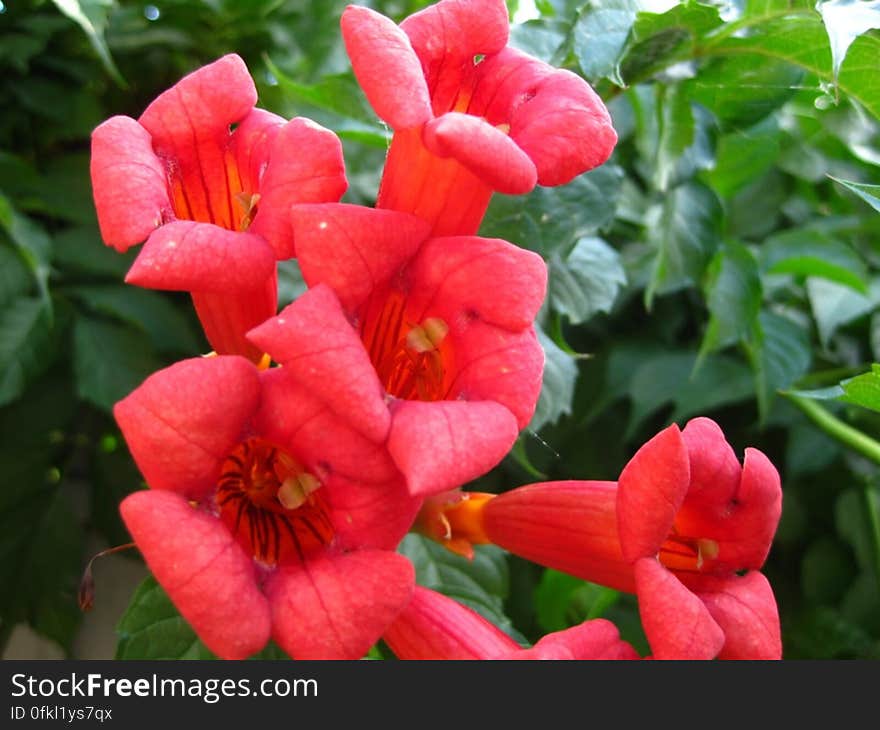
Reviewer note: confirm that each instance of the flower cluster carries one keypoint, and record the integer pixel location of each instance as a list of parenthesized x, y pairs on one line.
[(285, 468)]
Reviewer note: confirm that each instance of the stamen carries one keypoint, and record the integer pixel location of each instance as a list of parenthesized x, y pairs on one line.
[(411, 358), (272, 505)]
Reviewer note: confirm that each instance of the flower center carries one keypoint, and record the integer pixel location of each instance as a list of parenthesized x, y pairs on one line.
[(212, 193), (411, 355), (692, 554), (271, 504)]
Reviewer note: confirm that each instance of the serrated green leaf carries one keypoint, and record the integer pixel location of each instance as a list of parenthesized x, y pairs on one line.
[(811, 253), (863, 390), (779, 357), (743, 90), (798, 36), (733, 295), (557, 388), (27, 345), (152, 628), (846, 20), (685, 231), (586, 281), (151, 312), (550, 219), (869, 193), (109, 360), (482, 583)]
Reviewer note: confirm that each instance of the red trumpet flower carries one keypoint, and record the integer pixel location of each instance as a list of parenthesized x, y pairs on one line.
[(207, 180), (427, 345), (470, 115), (434, 626), (687, 528), (268, 514)]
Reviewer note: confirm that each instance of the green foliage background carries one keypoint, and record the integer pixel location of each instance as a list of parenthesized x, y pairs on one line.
[(714, 263)]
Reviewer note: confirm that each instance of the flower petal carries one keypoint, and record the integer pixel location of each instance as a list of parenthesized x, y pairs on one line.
[(295, 417), (354, 249), (449, 35), (745, 608), (498, 365), (316, 343), (486, 151), (386, 67), (434, 626), (715, 470), (128, 182), (485, 278), (677, 623), (596, 639), (444, 444), (305, 166), (336, 607), (205, 573), (556, 118), (202, 257), (570, 526), (651, 490), (183, 421), (190, 125)]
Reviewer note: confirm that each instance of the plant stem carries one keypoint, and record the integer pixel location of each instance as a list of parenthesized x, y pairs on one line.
[(834, 427)]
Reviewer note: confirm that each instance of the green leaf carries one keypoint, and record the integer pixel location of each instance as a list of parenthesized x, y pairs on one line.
[(733, 295), (600, 35), (658, 40), (91, 16), (151, 628), (539, 38), (846, 20), (826, 571), (32, 243), (482, 584), (863, 390), (152, 312), (806, 252), (676, 133), (744, 155), (835, 305), (80, 250), (743, 90), (557, 388), (779, 357), (15, 279), (586, 281), (671, 379), (27, 346), (109, 360), (549, 219), (685, 231), (562, 601), (869, 193), (799, 37), (41, 540)]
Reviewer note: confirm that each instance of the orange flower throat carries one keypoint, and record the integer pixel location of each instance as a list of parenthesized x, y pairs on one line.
[(412, 355), (271, 504)]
